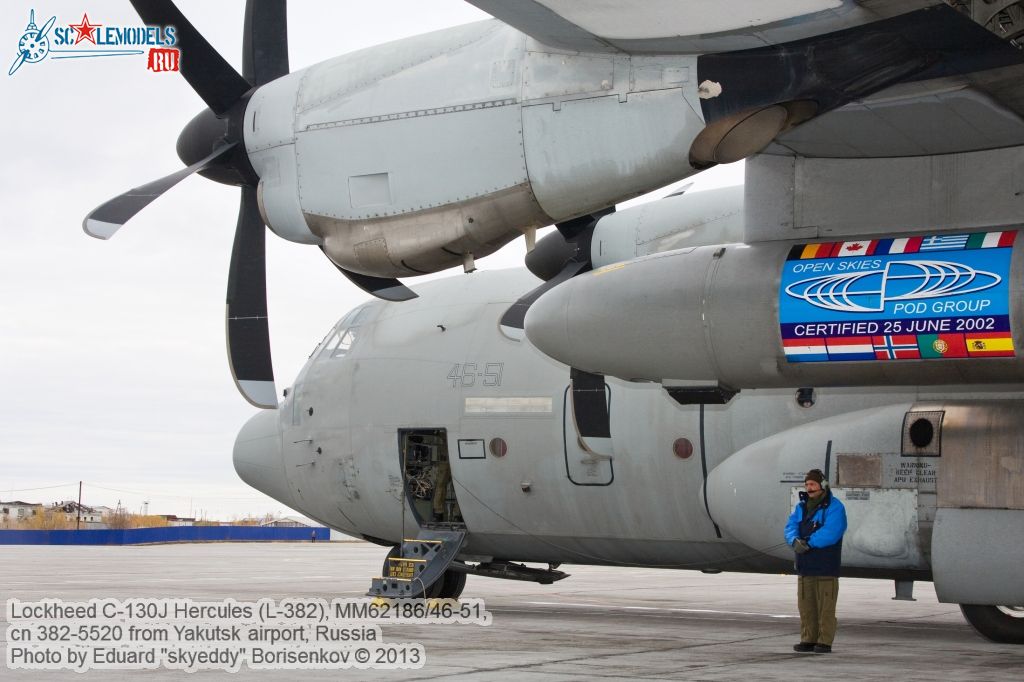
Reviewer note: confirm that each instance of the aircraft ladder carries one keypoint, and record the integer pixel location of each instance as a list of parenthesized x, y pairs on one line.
[(422, 562)]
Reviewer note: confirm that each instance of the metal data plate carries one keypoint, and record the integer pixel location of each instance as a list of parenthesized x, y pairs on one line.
[(403, 569)]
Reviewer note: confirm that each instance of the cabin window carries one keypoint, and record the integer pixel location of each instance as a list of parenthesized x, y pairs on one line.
[(344, 343), (341, 337)]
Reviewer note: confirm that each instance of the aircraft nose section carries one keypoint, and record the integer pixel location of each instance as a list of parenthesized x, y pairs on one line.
[(258, 459)]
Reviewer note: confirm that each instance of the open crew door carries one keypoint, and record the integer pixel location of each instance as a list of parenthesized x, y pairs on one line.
[(421, 566), (427, 476)]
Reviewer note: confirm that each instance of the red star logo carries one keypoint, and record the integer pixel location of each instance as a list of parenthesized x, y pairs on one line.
[(855, 247), (85, 30)]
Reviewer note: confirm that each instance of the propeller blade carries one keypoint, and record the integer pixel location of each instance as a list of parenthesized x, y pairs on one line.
[(18, 61), (590, 412), (107, 218), (577, 234), (384, 288), (265, 41), (572, 229), (248, 330), (213, 79), (46, 27)]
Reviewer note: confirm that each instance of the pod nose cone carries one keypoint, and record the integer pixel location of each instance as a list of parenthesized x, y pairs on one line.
[(547, 324), (258, 459)]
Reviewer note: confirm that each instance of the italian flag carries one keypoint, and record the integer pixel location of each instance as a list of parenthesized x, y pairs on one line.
[(991, 240)]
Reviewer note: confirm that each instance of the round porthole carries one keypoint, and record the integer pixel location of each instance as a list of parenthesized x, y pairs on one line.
[(498, 447), (682, 448)]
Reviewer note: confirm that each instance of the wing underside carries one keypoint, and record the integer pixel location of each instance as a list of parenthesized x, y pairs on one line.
[(971, 98), (694, 26)]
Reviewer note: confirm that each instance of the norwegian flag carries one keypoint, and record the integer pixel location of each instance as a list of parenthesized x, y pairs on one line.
[(896, 347)]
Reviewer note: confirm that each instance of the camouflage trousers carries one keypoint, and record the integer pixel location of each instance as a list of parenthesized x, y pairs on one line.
[(816, 599)]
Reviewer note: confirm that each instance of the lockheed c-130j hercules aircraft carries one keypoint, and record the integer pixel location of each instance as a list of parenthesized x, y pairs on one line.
[(856, 306)]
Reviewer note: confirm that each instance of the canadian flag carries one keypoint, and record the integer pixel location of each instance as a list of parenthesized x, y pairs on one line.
[(864, 247)]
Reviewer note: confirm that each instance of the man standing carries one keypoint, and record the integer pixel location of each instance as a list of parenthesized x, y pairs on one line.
[(815, 532)]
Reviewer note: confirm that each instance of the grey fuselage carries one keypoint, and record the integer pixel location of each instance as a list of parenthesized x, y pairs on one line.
[(331, 449)]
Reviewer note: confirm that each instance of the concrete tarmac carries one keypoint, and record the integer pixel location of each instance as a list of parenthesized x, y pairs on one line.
[(606, 623)]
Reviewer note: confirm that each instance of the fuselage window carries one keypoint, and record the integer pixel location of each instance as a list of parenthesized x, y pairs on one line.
[(345, 341), (327, 346), (341, 338), (339, 343)]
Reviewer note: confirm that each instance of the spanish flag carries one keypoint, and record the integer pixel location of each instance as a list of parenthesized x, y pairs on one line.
[(989, 344)]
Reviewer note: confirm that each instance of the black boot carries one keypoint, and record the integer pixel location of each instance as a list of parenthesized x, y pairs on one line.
[(804, 647)]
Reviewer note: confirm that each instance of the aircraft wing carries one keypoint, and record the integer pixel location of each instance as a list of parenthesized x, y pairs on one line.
[(943, 116), (688, 26), (973, 100)]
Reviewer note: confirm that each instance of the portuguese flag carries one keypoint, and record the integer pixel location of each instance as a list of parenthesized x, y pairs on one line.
[(942, 345)]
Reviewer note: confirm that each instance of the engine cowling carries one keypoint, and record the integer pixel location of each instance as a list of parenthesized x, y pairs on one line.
[(403, 158), (930, 486)]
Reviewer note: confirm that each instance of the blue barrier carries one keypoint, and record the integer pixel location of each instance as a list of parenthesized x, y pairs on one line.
[(145, 536)]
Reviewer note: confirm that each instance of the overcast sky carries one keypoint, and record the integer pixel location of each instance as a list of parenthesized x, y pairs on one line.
[(113, 361)]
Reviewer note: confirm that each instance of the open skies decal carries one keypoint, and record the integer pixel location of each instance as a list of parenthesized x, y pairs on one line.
[(941, 296)]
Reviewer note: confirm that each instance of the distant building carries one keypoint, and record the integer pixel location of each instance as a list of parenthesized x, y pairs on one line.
[(18, 510), (173, 520), (71, 511)]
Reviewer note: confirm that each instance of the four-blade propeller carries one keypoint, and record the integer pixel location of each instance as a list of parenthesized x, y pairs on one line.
[(212, 144)]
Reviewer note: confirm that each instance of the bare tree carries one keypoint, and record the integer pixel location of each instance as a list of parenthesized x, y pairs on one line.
[(120, 519)]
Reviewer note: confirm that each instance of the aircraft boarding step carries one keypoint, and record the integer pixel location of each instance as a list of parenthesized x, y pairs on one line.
[(420, 564)]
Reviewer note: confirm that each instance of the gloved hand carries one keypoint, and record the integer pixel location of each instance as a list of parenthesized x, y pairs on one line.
[(800, 546)]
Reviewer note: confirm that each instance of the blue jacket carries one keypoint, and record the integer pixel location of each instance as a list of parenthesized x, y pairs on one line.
[(823, 530)]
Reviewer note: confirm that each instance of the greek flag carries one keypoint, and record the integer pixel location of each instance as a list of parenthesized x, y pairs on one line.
[(944, 242)]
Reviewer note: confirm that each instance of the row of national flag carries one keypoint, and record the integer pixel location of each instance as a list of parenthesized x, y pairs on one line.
[(884, 247), (899, 347)]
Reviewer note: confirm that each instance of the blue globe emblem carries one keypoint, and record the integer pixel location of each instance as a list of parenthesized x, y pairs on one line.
[(869, 291)]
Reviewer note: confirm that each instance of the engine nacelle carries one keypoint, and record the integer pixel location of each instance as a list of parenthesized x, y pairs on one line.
[(979, 522), (751, 494), (933, 487), (403, 158)]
